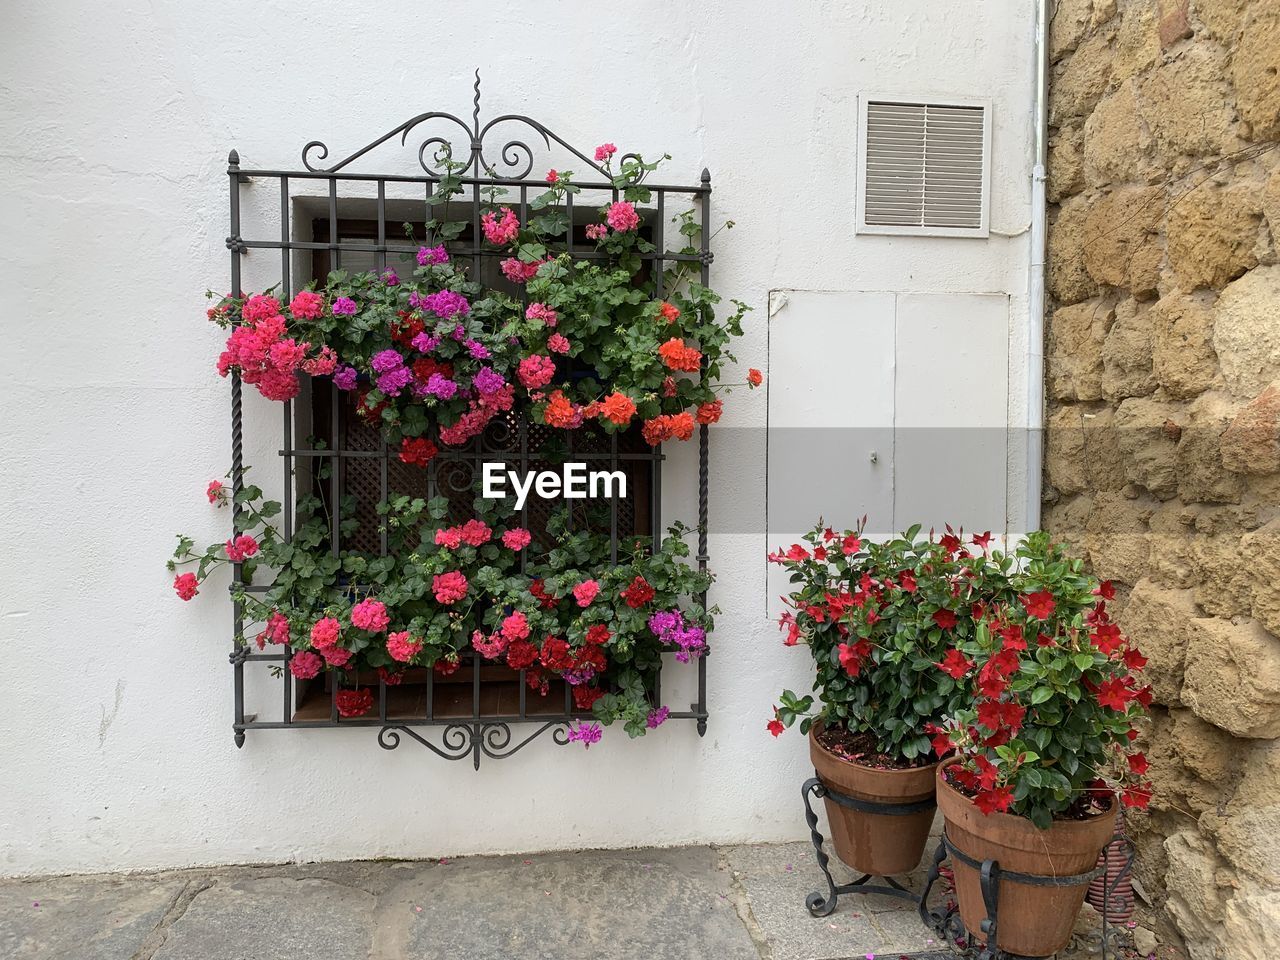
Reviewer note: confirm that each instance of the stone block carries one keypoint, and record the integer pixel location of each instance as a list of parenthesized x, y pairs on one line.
[(1182, 354), (1121, 238), (1254, 72), (1212, 235), (1159, 621), (1202, 478), (1246, 331), (1127, 353), (1147, 432), (1251, 444), (1260, 553), (1073, 358), (1233, 677), (1067, 278)]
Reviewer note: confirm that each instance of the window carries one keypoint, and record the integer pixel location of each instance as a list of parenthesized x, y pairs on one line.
[(923, 167)]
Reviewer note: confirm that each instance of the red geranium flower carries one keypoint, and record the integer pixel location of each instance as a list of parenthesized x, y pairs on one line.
[(417, 451), (521, 654), (1138, 763), (584, 697), (354, 703), (598, 634), (539, 591), (555, 654), (638, 594), (775, 727)]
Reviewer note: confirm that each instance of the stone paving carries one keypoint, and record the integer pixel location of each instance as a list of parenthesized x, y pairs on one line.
[(688, 903)]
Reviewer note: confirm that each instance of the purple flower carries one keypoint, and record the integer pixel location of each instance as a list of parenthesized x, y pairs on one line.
[(446, 304), (393, 382), (586, 733), (664, 622), (438, 385), (344, 378), (425, 342), (344, 306), (430, 256), (386, 361), (657, 717), (390, 278), (488, 382), (477, 350)]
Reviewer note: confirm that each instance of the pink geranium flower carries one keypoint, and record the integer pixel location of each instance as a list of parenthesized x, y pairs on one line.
[(370, 614), (401, 646), (449, 587), (325, 632), (622, 216), (516, 539), (305, 665), (585, 592), (186, 585)]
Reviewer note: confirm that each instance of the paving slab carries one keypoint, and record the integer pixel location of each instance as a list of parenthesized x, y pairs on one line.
[(266, 918), (647, 905), (689, 903), (775, 879), (86, 918)]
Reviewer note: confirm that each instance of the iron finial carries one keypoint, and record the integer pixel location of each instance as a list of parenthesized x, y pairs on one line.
[(233, 158)]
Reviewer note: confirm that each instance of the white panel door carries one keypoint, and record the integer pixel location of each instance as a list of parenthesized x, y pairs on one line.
[(951, 411), (830, 441)]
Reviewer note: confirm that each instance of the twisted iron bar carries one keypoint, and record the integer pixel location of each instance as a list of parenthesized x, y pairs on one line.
[(819, 905)]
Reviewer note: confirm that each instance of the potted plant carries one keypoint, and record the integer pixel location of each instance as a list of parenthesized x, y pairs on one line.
[(879, 619), (1044, 747)]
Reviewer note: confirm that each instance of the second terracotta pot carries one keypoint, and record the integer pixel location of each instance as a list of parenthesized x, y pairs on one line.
[(1033, 920), (883, 845)]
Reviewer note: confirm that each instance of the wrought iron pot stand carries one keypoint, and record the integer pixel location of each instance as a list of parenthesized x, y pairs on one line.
[(945, 922)]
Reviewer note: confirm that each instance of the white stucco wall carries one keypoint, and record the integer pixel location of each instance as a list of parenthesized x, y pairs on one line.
[(115, 122)]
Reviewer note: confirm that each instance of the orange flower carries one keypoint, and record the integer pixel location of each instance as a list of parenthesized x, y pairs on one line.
[(679, 357), (755, 377), (559, 412), (618, 408), (682, 425), (655, 431), (669, 313), (710, 412)]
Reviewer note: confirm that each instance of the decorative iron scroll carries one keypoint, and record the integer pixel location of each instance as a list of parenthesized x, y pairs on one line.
[(514, 160), (476, 739)]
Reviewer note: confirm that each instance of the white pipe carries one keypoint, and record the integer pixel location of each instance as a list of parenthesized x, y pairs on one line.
[(1035, 279)]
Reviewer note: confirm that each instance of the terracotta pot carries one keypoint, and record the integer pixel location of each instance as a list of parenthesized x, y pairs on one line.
[(1033, 921), (880, 844)]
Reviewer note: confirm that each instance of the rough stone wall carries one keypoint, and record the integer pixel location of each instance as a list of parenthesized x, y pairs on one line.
[(1163, 444)]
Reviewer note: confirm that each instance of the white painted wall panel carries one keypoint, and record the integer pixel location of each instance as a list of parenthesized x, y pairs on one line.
[(117, 119)]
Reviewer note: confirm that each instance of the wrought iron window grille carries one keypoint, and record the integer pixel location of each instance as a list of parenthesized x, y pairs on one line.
[(475, 716)]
